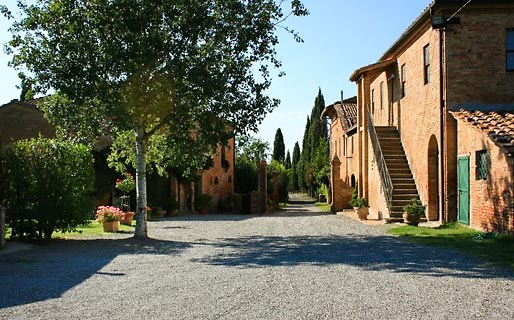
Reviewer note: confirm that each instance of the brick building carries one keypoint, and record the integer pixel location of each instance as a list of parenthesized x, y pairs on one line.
[(343, 142), (456, 53), (23, 120)]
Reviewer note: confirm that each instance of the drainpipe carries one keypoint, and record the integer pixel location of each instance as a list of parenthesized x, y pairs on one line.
[(443, 144)]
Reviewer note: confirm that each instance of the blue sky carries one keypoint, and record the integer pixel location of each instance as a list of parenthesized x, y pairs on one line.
[(340, 36)]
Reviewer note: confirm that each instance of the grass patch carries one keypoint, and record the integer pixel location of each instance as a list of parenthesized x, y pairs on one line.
[(92, 229), (494, 248), (323, 206)]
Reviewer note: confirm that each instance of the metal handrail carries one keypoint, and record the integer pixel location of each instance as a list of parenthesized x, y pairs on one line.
[(382, 167)]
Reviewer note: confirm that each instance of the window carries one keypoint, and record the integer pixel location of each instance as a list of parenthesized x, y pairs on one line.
[(352, 145), (404, 79), (482, 159), (426, 63), (372, 101), (509, 44), (382, 95)]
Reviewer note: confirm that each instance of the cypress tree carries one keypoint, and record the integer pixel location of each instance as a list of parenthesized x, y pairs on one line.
[(288, 160), (279, 148)]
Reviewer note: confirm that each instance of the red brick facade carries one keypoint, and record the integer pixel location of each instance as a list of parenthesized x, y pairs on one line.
[(343, 152), (425, 74), (218, 181)]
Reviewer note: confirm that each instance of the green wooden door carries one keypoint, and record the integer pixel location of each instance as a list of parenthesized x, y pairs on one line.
[(463, 167)]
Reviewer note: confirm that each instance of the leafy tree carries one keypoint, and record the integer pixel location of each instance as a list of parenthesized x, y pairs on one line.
[(296, 153), (279, 148), (283, 177), (249, 150), (152, 67), (47, 185)]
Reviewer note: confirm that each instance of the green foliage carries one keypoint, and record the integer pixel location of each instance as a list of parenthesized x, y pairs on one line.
[(355, 193), (251, 148), (415, 207), (359, 203), (314, 164), (47, 185), (287, 163), (279, 148), (323, 189), (276, 167)]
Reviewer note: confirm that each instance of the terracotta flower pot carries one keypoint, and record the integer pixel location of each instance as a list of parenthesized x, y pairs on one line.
[(411, 219), (127, 217), (362, 213), (111, 226)]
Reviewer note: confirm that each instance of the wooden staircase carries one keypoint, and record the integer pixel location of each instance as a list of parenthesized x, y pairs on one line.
[(404, 186)]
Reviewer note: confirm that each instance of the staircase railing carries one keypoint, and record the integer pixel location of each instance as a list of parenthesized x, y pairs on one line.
[(382, 167)]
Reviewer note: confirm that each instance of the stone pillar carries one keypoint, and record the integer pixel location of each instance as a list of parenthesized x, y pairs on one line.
[(335, 179), (263, 186), (2, 227)]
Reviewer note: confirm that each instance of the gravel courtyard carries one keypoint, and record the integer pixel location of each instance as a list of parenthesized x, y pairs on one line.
[(299, 264)]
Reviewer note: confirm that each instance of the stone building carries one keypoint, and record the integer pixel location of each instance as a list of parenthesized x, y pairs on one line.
[(456, 54)]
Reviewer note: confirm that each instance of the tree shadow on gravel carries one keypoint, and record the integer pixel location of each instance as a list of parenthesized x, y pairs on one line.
[(47, 271), (370, 253)]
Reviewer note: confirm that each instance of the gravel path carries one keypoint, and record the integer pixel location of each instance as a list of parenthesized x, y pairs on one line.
[(299, 264)]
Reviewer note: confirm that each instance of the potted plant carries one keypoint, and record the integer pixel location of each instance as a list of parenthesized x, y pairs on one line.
[(110, 217), (126, 185), (127, 217), (202, 203), (413, 211), (361, 207)]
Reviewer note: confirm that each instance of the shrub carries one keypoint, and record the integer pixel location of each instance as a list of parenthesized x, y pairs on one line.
[(47, 185), (359, 203), (414, 207)]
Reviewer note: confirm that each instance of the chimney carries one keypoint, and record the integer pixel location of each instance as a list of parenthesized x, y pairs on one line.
[(342, 96)]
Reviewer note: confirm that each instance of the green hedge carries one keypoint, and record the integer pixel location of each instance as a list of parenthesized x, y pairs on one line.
[(47, 185)]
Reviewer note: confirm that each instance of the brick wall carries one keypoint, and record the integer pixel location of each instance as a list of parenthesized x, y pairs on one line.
[(476, 57), (491, 205), (218, 181), (344, 149), (20, 120)]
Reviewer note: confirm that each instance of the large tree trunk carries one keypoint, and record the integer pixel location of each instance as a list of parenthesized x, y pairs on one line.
[(141, 231)]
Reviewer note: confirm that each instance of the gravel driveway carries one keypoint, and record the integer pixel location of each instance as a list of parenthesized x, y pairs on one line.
[(299, 264)]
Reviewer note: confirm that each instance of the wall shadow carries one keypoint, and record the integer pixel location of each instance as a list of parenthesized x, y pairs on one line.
[(48, 271), (370, 253)]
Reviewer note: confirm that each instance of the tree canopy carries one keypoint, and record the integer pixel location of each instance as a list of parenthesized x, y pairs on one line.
[(152, 67)]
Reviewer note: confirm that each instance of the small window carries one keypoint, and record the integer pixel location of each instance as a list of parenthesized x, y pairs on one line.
[(372, 101), (352, 145), (426, 59), (482, 160), (404, 79), (382, 95), (509, 44)]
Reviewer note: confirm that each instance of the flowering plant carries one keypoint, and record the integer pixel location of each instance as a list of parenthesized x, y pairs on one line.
[(108, 213), (126, 184)]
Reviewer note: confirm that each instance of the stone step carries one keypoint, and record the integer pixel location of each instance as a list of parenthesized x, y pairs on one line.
[(406, 196)]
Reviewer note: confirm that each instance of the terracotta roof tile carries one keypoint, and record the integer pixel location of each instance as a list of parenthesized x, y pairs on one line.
[(498, 125)]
